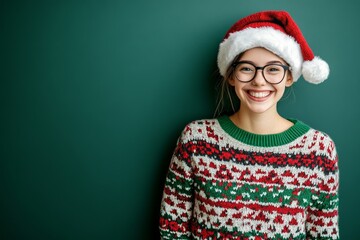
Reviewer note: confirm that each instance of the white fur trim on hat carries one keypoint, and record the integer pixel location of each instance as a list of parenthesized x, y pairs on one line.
[(279, 43), (315, 71)]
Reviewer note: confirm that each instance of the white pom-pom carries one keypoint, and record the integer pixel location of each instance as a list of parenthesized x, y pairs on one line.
[(315, 71)]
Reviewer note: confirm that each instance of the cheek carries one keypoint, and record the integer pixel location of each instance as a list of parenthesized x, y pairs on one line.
[(239, 90), (280, 91)]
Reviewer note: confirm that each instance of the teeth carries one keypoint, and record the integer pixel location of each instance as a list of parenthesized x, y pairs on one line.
[(259, 94)]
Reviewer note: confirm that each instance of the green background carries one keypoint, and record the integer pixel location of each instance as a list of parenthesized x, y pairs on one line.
[(95, 93)]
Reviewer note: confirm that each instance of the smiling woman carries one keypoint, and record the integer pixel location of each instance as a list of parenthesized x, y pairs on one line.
[(260, 93), (255, 174)]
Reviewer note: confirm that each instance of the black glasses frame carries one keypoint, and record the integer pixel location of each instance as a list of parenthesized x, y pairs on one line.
[(285, 67)]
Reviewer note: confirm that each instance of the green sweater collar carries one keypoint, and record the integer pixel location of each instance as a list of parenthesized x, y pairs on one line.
[(264, 140)]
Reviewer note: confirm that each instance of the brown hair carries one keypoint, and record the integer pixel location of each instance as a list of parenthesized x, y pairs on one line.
[(227, 101)]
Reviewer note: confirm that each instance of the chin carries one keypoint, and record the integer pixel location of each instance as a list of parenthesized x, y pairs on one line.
[(261, 108)]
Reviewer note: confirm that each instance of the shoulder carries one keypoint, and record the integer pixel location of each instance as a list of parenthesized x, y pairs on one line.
[(201, 129), (320, 142)]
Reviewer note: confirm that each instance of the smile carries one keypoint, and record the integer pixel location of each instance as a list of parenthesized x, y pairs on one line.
[(262, 94)]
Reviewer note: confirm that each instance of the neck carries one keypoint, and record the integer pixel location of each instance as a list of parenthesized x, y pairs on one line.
[(269, 122)]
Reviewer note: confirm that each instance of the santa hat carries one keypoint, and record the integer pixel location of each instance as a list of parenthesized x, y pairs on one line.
[(277, 32)]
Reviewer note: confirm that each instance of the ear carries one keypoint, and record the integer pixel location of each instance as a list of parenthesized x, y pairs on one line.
[(231, 81), (289, 80)]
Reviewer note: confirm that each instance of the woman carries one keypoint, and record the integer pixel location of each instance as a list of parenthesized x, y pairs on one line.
[(255, 174)]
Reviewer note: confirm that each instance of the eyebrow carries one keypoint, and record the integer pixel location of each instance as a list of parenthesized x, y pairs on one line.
[(270, 62)]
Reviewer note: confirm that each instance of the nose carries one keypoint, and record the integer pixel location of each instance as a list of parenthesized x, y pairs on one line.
[(259, 78)]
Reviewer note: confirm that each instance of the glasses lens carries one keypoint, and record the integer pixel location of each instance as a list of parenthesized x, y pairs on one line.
[(274, 73), (245, 72)]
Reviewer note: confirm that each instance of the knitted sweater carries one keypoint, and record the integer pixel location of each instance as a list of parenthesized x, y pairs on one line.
[(226, 183)]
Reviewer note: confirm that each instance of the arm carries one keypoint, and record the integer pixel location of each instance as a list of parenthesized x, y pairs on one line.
[(177, 201), (322, 221)]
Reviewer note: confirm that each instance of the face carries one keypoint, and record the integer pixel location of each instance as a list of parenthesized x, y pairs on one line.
[(259, 96)]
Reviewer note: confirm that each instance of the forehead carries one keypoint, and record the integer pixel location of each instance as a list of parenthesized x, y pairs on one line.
[(260, 55)]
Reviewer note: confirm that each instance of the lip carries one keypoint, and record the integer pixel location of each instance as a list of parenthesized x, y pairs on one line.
[(261, 96)]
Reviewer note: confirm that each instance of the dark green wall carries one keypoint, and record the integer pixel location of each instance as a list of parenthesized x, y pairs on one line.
[(95, 93)]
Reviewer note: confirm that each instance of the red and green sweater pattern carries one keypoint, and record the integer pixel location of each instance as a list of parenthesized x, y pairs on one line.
[(226, 183)]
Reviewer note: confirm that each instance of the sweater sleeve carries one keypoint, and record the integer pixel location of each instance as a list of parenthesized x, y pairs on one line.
[(322, 221), (177, 200)]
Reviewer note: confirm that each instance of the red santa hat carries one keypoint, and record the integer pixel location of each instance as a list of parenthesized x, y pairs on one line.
[(277, 32)]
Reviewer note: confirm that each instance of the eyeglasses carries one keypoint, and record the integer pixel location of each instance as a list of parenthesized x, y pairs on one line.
[(273, 73)]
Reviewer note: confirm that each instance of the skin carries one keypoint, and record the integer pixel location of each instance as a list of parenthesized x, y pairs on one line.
[(259, 115)]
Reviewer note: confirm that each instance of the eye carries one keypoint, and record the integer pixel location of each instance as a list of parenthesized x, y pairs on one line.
[(274, 69), (245, 68)]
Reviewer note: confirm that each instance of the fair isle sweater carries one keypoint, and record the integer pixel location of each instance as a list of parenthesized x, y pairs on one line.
[(226, 183)]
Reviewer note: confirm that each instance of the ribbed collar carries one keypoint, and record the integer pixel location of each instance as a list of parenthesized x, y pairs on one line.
[(264, 140)]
